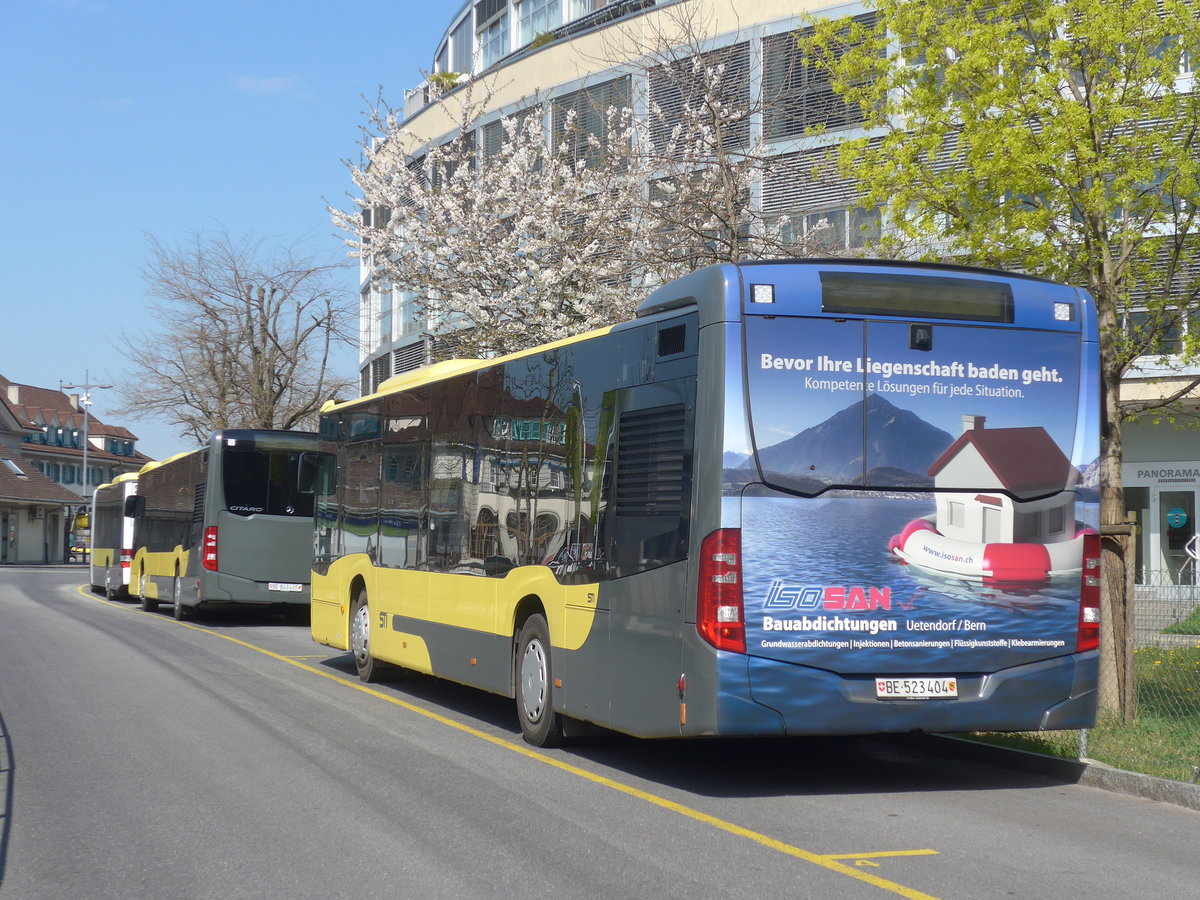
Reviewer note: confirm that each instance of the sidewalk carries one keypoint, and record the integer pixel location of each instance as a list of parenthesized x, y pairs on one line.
[(1085, 771)]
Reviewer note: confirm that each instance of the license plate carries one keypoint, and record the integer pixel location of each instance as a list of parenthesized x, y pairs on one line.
[(916, 688), (284, 586)]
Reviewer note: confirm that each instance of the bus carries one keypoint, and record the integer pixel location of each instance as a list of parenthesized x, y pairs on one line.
[(226, 524), (807, 497), (112, 536)]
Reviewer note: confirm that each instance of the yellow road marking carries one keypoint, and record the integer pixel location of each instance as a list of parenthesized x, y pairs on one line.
[(831, 862), (881, 853)]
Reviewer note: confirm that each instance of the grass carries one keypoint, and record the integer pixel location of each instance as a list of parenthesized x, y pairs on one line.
[(1164, 737), (1190, 625)]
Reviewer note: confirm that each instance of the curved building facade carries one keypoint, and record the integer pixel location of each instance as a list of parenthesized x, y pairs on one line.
[(581, 52)]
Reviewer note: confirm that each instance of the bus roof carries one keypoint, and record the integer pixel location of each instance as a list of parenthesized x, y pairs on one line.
[(683, 291), (450, 367), (151, 466)]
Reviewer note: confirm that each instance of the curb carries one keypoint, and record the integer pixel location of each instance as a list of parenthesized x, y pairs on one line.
[(1087, 772)]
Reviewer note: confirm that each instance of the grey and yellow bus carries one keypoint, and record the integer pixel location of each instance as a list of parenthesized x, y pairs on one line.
[(112, 535), (226, 524), (793, 497)]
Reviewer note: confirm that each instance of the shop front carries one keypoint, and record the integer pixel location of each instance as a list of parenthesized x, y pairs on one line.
[(1162, 497)]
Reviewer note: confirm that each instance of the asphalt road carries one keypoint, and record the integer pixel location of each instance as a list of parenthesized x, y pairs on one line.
[(232, 757)]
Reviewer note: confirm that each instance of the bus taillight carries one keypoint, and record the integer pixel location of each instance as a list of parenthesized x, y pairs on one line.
[(126, 558), (208, 549), (1089, 595), (719, 617)]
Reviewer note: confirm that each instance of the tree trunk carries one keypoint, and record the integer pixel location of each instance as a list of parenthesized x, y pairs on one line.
[(1116, 565)]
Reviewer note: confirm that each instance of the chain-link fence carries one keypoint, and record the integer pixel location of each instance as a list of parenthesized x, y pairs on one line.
[(1163, 736), (1160, 732)]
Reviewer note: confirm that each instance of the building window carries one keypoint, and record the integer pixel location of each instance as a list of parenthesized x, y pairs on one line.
[(461, 54), (797, 95), (383, 305), (1160, 333), (368, 323), (831, 229), (577, 9), (491, 25), (590, 106), (685, 91), (536, 17)]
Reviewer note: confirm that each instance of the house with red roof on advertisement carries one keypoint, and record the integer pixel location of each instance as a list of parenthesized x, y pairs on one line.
[(1015, 463), (43, 483), (1005, 509)]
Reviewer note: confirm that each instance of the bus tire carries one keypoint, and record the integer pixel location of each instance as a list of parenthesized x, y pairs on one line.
[(179, 610), (148, 605), (540, 724), (369, 669)]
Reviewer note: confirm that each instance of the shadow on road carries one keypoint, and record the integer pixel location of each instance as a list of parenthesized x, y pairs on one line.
[(741, 767), (7, 769)]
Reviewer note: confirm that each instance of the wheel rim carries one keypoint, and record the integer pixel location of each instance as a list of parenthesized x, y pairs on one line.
[(178, 594), (142, 587), (534, 680), (359, 634)]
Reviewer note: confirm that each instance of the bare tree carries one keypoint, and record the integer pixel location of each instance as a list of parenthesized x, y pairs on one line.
[(243, 339)]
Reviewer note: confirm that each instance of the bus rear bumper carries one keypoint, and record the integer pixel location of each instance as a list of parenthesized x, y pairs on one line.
[(1058, 693), (234, 589)]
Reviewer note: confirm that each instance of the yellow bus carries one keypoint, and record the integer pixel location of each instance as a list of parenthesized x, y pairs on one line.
[(790, 497), (112, 535), (226, 524)]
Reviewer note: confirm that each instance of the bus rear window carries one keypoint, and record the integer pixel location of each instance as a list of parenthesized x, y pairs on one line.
[(264, 482), (924, 296)]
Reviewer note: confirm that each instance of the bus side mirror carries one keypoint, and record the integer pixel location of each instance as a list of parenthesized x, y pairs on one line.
[(135, 507)]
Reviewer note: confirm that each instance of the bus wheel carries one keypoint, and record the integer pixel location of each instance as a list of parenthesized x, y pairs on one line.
[(148, 605), (540, 724), (180, 610), (369, 669)]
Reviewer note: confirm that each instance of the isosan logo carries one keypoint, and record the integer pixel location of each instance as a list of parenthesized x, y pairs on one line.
[(812, 597)]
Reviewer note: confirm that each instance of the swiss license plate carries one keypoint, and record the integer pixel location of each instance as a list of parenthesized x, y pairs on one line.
[(284, 586), (916, 688)]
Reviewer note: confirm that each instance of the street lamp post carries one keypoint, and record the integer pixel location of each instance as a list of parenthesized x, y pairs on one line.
[(85, 400)]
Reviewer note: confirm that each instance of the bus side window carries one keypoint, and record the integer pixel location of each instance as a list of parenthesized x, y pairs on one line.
[(308, 470), (135, 507)]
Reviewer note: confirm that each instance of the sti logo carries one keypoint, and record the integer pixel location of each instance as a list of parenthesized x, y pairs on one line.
[(814, 597)]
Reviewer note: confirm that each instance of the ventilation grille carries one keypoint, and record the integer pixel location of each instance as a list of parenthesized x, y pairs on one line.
[(380, 370), (672, 340), (198, 506), (412, 356), (652, 462)]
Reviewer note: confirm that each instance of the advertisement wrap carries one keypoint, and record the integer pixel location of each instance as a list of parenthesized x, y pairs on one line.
[(910, 510)]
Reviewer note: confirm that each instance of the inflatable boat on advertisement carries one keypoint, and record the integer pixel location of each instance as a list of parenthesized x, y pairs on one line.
[(922, 545)]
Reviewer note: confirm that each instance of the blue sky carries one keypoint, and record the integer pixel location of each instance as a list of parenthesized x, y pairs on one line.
[(127, 117)]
